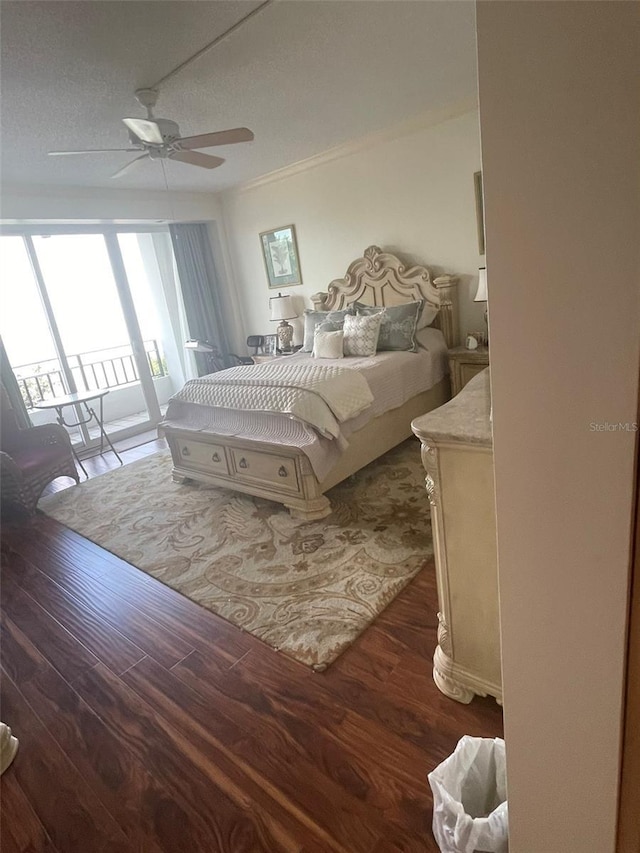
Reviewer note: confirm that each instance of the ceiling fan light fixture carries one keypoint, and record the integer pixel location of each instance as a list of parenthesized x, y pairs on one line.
[(159, 139), (145, 130)]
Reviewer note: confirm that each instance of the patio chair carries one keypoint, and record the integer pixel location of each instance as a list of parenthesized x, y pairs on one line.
[(31, 458)]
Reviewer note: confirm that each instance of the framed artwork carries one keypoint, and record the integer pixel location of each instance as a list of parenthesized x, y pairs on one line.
[(270, 344), (477, 183), (280, 253)]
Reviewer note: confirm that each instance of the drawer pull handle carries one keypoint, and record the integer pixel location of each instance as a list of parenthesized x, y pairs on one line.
[(215, 457), (282, 472), (186, 451), (243, 463)]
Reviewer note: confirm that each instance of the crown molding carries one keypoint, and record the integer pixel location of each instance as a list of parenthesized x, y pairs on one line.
[(354, 146), (61, 191)]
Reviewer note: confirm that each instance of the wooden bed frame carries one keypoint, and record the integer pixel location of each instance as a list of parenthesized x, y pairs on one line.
[(284, 474)]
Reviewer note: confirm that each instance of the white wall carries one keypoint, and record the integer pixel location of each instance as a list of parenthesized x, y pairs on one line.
[(412, 194), (100, 205), (560, 111)]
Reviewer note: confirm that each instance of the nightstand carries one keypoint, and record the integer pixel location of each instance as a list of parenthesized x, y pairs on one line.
[(464, 364)]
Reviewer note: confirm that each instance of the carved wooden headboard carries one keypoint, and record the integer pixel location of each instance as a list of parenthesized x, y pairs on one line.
[(380, 278)]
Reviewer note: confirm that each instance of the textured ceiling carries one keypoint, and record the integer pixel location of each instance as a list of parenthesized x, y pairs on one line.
[(305, 76)]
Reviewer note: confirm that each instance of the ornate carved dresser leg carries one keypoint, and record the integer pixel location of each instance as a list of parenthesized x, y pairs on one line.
[(445, 682)]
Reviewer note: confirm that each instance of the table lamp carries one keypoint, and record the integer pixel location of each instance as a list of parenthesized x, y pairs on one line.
[(282, 309)]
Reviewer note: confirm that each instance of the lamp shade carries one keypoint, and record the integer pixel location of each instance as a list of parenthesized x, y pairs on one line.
[(282, 308), (481, 293)]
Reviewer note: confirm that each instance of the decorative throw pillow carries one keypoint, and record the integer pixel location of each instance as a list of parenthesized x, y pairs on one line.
[(328, 344), (329, 327), (398, 324), (361, 334), (313, 318)]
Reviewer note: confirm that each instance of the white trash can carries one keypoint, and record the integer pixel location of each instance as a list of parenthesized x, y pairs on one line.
[(470, 798)]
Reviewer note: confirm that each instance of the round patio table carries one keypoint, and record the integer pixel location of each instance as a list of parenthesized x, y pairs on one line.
[(82, 398)]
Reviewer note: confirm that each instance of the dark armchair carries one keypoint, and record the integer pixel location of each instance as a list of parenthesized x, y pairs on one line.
[(31, 458)]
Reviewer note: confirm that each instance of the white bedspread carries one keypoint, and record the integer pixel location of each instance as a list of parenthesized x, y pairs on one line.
[(322, 394), (393, 377)]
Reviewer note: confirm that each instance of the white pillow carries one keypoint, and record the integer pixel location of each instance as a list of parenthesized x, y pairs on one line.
[(313, 318), (328, 344), (361, 334)]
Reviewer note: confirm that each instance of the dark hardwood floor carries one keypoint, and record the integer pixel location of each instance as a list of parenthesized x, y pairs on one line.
[(149, 724)]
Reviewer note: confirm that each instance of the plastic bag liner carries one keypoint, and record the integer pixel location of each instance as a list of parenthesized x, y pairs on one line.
[(470, 798)]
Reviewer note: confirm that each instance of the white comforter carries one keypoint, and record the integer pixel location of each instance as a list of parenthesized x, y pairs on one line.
[(321, 395), (393, 377)]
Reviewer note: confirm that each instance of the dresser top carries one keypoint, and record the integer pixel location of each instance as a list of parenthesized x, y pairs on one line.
[(465, 419)]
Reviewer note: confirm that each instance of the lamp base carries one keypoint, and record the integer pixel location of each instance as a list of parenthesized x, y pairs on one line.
[(285, 336)]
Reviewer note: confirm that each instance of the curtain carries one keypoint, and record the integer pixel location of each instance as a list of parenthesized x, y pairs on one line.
[(200, 288), (11, 396)]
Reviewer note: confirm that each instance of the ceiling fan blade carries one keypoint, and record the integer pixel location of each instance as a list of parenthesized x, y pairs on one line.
[(129, 165), (145, 129), (222, 137), (89, 151), (195, 158)]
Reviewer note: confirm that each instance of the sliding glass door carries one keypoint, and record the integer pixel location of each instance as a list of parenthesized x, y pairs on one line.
[(101, 348), (80, 314), (25, 328)]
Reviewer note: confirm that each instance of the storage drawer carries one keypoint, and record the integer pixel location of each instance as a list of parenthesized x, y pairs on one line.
[(265, 468), (198, 454)]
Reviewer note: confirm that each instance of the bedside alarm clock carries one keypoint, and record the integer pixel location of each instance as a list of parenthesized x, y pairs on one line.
[(472, 342)]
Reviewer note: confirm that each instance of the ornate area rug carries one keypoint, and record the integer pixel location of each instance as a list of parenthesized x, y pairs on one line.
[(307, 589)]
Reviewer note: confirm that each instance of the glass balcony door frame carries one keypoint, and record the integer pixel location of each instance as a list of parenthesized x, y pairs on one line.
[(133, 327), (110, 235)]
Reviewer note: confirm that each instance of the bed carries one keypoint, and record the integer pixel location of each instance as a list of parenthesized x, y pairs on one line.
[(296, 455)]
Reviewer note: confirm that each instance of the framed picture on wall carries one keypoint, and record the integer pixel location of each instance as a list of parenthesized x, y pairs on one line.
[(477, 184), (280, 253)]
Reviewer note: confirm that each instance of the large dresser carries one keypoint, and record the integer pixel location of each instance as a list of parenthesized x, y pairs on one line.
[(457, 452)]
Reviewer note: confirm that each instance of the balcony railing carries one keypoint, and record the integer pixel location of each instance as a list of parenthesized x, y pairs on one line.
[(38, 382)]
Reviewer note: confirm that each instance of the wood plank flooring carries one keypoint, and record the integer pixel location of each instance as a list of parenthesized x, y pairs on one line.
[(149, 724)]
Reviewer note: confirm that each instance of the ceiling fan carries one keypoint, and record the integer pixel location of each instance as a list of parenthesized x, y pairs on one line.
[(159, 139)]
